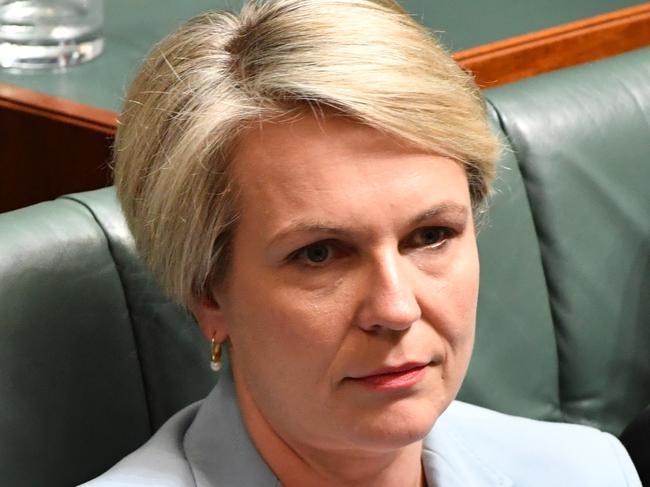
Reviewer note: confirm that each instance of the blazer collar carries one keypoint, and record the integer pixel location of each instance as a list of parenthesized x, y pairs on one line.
[(217, 445), (220, 451), (449, 461)]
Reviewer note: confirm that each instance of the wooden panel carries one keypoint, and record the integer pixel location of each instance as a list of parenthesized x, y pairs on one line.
[(558, 47), (50, 147), (42, 158)]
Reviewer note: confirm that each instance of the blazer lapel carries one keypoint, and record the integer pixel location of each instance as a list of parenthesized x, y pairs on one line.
[(217, 445), (451, 462)]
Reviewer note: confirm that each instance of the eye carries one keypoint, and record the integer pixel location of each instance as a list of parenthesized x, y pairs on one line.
[(432, 237), (316, 254)]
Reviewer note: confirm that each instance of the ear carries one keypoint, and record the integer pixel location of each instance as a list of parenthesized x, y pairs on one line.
[(210, 318)]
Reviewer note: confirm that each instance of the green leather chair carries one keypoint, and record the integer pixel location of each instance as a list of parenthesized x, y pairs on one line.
[(93, 358), (564, 313)]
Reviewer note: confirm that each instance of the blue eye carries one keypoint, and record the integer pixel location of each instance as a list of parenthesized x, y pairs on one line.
[(323, 253), (316, 253), (431, 236)]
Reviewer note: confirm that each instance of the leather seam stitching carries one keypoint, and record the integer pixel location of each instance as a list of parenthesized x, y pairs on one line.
[(536, 226), (127, 303)]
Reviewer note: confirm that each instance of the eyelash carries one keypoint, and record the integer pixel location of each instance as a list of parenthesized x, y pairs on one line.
[(300, 254), (446, 234), (335, 247)]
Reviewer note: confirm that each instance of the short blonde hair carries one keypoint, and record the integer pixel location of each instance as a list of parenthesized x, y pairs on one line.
[(207, 82)]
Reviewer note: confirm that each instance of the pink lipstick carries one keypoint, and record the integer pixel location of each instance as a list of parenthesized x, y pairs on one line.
[(394, 378)]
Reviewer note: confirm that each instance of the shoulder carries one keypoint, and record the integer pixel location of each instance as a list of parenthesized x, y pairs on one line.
[(160, 462), (534, 452)]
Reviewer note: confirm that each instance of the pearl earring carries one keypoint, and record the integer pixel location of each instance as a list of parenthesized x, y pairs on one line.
[(215, 356)]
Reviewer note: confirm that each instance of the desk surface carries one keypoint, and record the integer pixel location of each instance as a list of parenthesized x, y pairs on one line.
[(133, 26)]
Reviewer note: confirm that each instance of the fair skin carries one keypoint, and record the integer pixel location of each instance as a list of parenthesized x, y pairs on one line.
[(354, 256)]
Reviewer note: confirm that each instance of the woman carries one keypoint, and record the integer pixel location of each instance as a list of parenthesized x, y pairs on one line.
[(305, 177)]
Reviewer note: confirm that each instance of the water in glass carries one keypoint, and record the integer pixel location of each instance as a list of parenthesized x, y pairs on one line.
[(50, 34)]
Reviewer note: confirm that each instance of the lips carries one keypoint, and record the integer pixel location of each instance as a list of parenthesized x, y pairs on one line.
[(392, 378)]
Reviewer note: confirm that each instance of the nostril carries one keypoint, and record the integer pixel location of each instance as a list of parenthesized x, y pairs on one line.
[(390, 334)]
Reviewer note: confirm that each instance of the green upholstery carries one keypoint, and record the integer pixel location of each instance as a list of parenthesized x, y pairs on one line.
[(69, 368), (582, 140), (514, 318), (172, 352), (93, 358)]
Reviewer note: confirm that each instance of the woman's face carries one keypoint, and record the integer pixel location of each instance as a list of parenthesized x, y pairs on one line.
[(351, 298)]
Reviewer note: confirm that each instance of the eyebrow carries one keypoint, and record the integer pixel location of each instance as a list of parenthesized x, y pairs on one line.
[(446, 209)]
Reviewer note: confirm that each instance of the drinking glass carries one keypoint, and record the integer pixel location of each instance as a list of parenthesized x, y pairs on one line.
[(49, 34)]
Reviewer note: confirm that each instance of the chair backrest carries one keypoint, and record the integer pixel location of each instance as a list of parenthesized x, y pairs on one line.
[(564, 320), (93, 358)]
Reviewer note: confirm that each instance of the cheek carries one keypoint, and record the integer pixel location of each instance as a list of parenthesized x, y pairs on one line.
[(466, 301), (459, 297), (278, 327)]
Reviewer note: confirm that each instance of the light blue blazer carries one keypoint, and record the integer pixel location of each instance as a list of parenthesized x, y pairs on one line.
[(206, 445)]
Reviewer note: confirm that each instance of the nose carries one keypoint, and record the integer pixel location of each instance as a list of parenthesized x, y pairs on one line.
[(388, 298)]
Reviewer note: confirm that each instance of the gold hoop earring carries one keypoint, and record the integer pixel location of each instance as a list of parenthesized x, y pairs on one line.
[(215, 356)]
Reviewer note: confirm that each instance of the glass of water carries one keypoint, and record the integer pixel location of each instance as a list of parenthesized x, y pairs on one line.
[(49, 34)]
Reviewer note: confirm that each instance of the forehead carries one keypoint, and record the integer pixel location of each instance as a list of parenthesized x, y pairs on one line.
[(308, 142), (333, 165)]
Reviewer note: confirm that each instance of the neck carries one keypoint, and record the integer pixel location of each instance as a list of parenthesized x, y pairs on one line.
[(297, 464)]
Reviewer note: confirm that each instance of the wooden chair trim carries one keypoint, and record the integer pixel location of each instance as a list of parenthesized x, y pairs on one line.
[(58, 109), (558, 47)]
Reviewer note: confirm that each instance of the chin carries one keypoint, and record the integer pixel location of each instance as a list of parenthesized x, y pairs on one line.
[(398, 424)]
